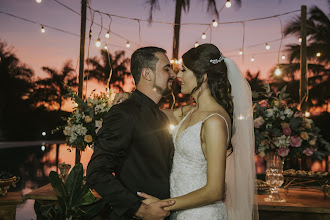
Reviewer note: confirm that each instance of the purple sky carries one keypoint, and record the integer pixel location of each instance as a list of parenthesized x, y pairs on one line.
[(53, 48)]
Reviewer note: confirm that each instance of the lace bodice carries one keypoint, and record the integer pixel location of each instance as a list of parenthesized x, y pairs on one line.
[(189, 172)]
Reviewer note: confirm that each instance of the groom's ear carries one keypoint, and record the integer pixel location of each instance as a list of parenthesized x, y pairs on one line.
[(205, 77), (146, 74)]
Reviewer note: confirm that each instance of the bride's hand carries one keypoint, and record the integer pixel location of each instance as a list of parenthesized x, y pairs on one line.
[(120, 97), (148, 198)]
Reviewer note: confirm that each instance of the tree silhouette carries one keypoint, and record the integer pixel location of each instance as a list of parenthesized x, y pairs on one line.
[(101, 69), (15, 86), (51, 91)]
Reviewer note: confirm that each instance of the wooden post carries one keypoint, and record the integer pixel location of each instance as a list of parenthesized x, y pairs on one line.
[(177, 21), (81, 59), (303, 91)]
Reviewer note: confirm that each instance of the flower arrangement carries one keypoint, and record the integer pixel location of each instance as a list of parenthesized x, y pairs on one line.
[(282, 129), (86, 119)]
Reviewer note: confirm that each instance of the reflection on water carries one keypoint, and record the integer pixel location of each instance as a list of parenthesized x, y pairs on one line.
[(33, 165)]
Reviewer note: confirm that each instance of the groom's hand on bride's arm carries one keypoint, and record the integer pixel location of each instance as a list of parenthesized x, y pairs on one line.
[(154, 210), (148, 198)]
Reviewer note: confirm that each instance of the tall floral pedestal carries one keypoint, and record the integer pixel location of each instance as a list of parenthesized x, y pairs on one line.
[(274, 176)]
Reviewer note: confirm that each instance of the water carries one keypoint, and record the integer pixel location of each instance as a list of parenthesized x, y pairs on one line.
[(33, 164)]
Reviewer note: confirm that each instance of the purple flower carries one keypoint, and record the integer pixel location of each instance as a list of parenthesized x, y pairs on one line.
[(283, 152), (287, 131), (258, 122), (295, 141), (308, 152), (298, 114)]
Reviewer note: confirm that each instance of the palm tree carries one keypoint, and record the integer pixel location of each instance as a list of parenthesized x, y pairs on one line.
[(52, 90), (116, 65), (318, 36), (15, 86), (179, 6)]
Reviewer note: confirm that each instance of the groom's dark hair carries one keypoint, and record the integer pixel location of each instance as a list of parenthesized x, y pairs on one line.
[(144, 58)]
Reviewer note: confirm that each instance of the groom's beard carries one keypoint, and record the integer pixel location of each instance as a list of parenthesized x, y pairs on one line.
[(163, 91)]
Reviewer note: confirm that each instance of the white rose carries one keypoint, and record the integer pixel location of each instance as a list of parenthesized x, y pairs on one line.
[(73, 137), (288, 112), (67, 131), (269, 112), (269, 125), (282, 141), (79, 129)]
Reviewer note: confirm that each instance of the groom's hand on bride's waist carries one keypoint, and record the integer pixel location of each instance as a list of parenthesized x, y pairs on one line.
[(154, 210)]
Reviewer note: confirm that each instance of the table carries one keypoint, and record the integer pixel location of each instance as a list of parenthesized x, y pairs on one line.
[(8, 204), (300, 204)]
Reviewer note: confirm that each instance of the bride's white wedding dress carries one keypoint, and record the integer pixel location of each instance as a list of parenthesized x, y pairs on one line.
[(189, 172)]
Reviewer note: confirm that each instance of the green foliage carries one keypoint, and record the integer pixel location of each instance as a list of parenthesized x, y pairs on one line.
[(74, 200)]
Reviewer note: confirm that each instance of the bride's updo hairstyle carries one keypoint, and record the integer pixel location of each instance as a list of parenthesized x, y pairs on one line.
[(204, 59)]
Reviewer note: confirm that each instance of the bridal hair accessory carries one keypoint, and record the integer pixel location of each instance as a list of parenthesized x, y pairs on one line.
[(215, 61)]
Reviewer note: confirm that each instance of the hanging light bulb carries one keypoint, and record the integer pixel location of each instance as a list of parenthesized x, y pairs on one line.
[(43, 29), (318, 54), (252, 59), (267, 46), (228, 4), (203, 36), (278, 71), (196, 44), (283, 57), (98, 42), (106, 47), (240, 52), (38, 1), (180, 61), (128, 44), (300, 40), (172, 61), (215, 23), (107, 35), (307, 114)]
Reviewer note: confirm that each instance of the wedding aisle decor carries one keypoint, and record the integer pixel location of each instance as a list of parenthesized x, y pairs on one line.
[(86, 118), (282, 131)]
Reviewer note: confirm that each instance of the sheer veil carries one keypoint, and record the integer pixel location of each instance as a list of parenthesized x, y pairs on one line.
[(240, 166)]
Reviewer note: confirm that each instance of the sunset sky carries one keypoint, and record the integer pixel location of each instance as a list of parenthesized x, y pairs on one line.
[(53, 48)]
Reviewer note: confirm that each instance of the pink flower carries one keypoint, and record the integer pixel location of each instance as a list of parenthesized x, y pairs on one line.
[(283, 152), (287, 131), (263, 103), (295, 141), (298, 114), (308, 152), (258, 122)]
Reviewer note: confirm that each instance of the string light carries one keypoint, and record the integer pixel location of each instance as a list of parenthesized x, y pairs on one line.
[(196, 44), (180, 61), (215, 23), (90, 33), (204, 36), (128, 45), (283, 57), (107, 35), (43, 133), (43, 30), (172, 61), (43, 148), (240, 52), (228, 4), (252, 59), (38, 1), (278, 71), (300, 40), (318, 54), (106, 47), (307, 114), (98, 42), (267, 46)]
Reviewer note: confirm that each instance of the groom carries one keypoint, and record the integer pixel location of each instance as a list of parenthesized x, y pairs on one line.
[(133, 150)]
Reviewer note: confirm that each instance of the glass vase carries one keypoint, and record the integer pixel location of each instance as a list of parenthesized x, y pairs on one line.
[(274, 176)]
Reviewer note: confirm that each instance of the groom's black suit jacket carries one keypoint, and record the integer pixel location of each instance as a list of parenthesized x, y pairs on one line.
[(133, 153)]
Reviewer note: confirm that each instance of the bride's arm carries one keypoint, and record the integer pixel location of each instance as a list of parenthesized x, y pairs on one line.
[(215, 137)]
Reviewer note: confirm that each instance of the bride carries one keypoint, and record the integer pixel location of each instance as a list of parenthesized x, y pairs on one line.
[(213, 172)]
